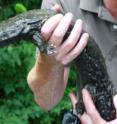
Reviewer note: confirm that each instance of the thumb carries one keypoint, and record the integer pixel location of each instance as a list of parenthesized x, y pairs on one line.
[(74, 100)]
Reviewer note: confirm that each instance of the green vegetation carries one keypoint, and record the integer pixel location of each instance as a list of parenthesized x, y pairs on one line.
[(17, 105)]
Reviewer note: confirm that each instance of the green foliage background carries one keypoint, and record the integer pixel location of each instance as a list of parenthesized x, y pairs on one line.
[(17, 105)]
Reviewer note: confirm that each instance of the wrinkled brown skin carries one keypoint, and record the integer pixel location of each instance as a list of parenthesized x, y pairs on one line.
[(46, 73)]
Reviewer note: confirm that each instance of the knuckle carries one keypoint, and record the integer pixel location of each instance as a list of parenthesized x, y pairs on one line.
[(57, 36), (58, 59), (75, 38), (91, 112), (64, 63), (44, 32), (61, 61), (66, 60), (69, 45), (75, 54)]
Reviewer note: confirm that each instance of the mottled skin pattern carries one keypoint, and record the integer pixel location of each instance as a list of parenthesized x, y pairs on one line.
[(93, 76), (90, 64), (25, 26)]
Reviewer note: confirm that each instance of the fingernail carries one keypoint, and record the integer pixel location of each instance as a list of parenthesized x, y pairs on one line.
[(84, 91), (87, 35), (69, 14), (79, 21)]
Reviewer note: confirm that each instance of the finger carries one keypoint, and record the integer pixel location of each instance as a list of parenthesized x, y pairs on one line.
[(50, 25), (85, 119), (115, 103), (61, 29), (112, 122), (57, 8), (77, 50), (74, 100), (69, 44), (90, 107)]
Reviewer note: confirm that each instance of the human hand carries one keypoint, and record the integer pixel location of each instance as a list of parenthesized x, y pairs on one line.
[(54, 30), (91, 116)]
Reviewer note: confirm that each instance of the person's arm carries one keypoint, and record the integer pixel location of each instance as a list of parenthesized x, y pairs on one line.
[(49, 91)]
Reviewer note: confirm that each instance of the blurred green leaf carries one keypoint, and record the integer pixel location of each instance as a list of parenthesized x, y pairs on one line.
[(19, 8)]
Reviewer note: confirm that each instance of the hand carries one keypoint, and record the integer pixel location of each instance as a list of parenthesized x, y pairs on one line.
[(54, 30), (91, 116)]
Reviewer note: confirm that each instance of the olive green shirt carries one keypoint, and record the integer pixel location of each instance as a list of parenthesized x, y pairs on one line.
[(99, 23)]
